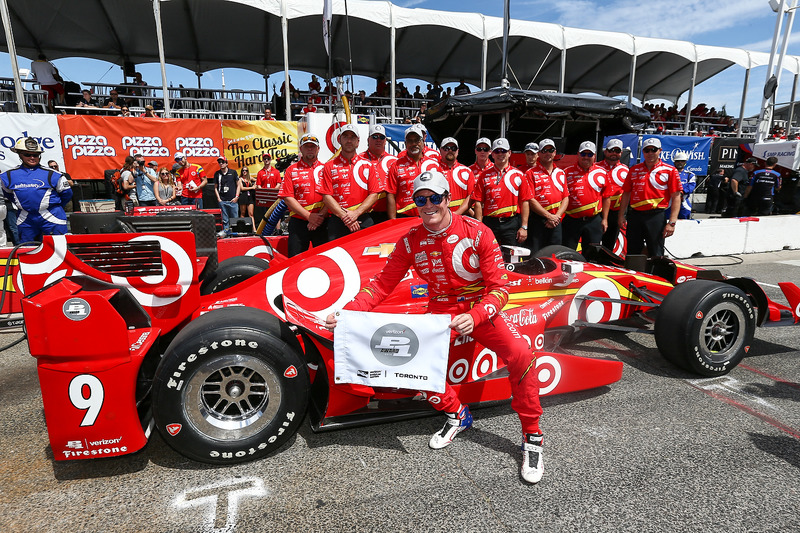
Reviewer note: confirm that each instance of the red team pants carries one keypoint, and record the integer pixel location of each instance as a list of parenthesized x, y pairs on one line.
[(501, 336)]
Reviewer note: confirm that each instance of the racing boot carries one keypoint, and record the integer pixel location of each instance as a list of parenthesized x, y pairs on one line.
[(532, 462), (456, 423)]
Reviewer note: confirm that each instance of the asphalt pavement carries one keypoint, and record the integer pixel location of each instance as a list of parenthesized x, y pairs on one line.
[(661, 450)]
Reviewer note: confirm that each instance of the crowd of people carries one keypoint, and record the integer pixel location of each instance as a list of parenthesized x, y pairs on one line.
[(704, 120)]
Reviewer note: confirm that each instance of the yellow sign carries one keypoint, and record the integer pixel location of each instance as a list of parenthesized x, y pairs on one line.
[(245, 141)]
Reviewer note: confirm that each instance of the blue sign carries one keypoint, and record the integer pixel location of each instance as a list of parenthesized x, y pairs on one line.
[(396, 133), (630, 141), (697, 148)]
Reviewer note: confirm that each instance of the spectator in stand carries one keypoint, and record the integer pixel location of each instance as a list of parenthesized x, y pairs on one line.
[(291, 87), (688, 184), (145, 178), (267, 114), (310, 107), (297, 102), (715, 200), (460, 177), (418, 93), (436, 93), (482, 148), (127, 181), (382, 162), (531, 153), (314, 84), (228, 188), (651, 187), (738, 180), (461, 88), (193, 179), (400, 182), (762, 188), (165, 191), (86, 99), (49, 80), (114, 101), (382, 87), (347, 197), (308, 221), (138, 83), (53, 165), (268, 177), (617, 174), (149, 112), (448, 93), (420, 116), (501, 197), (589, 199), (549, 199), (247, 198), (124, 112)]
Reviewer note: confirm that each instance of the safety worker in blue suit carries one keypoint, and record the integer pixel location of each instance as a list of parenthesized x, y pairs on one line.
[(688, 182), (38, 194)]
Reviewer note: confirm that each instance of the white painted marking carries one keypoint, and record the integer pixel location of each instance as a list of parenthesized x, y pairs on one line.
[(222, 499), (792, 262), (731, 386)]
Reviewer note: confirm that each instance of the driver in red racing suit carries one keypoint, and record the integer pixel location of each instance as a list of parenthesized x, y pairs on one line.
[(457, 255)]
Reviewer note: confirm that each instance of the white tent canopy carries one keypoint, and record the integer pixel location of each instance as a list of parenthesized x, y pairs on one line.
[(385, 39)]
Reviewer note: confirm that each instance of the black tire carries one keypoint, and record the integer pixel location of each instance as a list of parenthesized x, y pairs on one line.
[(228, 389), (705, 327), (232, 271), (561, 252)]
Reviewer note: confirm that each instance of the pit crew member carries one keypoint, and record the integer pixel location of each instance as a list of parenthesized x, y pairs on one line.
[(761, 189), (307, 224), (549, 199), (482, 148), (651, 187), (37, 194), (346, 195), (410, 163), (460, 177), (617, 174), (478, 313), (688, 184), (382, 162), (268, 177), (589, 199), (501, 197), (531, 152)]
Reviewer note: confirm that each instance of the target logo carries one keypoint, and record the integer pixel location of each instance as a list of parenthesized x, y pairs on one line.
[(462, 177), (387, 162), (597, 179), (619, 246), (548, 372), (512, 180), (428, 165), (594, 311), (659, 180), (538, 342), (619, 173), (485, 364), (559, 179), (361, 171), (435, 400), (465, 260), (458, 371), (332, 136)]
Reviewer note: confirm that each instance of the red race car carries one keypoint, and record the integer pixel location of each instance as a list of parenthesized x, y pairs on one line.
[(135, 330)]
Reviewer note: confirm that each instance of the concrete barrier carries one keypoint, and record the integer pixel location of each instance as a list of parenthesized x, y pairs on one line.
[(722, 236)]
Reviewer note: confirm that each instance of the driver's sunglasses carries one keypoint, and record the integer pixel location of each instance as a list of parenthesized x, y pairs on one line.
[(436, 199)]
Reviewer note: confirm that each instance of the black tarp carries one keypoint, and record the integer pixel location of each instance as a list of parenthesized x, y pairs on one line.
[(568, 119)]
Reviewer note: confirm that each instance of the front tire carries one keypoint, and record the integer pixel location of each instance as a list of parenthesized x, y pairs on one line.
[(705, 327), (229, 389), (232, 271), (565, 253)]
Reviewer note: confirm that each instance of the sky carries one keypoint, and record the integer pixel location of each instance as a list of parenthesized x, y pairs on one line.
[(746, 24)]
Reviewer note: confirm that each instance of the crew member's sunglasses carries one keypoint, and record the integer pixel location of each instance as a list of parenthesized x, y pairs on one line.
[(30, 154), (377, 136), (548, 150), (435, 199), (482, 149), (500, 151), (586, 154), (614, 150), (650, 149), (450, 148)]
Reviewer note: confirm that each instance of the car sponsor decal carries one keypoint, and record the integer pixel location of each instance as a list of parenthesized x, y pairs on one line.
[(174, 429)]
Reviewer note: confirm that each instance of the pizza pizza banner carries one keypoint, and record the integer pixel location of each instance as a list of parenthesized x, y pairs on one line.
[(245, 141)]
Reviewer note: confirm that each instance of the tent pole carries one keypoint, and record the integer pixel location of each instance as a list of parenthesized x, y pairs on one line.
[(765, 115), (392, 51), (791, 106), (563, 74), (484, 55), (12, 53), (784, 45), (691, 96), (632, 80), (744, 98), (160, 38), (287, 97)]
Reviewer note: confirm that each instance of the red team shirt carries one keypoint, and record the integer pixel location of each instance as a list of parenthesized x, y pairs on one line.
[(300, 182), (400, 181), (652, 189), (501, 192), (381, 166), (617, 176), (349, 182), (462, 183), (268, 179), (548, 189), (193, 174), (586, 190)]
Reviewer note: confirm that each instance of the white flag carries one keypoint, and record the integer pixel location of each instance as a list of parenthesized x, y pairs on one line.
[(388, 350), (327, 15)]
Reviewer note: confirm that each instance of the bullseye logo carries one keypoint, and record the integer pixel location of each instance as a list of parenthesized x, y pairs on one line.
[(387, 162), (512, 181), (659, 180), (465, 261), (597, 179), (618, 174), (394, 344), (538, 343), (461, 177), (428, 165), (361, 173), (594, 311), (559, 179), (548, 372), (332, 136)]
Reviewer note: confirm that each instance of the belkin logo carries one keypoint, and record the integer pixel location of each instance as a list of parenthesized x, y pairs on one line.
[(36, 184)]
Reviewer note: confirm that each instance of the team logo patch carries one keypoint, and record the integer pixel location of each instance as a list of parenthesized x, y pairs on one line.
[(452, 239), (419, 291), (76, 309), (290, 372), (174, 429)]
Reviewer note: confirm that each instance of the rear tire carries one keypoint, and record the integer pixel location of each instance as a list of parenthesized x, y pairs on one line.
[(229, 389), (705, 327), (560, 252), (232, 271)]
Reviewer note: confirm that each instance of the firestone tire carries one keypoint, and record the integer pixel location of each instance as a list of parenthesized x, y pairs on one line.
[(232, 271), (228, 389), (561, 252), (705, 327)]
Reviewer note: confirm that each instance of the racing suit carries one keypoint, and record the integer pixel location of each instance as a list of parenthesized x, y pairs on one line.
[(458, 283), (39, 195), (688, 183)]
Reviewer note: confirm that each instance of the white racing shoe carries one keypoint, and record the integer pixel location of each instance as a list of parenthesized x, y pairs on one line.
[(456, 423), (532, 462)]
